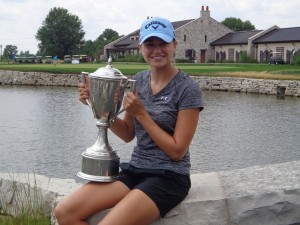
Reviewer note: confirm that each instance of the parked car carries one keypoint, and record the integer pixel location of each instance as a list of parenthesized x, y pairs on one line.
[(83, 58), (276, 58), (67, 59), (28, 59), (39, 59), (75, 59), (48, 59)]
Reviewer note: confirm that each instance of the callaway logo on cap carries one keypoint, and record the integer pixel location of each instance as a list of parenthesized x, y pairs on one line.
[(157, 27)]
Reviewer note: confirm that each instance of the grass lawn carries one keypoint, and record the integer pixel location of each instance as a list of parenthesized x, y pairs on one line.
[(262, 71), (25, 220)]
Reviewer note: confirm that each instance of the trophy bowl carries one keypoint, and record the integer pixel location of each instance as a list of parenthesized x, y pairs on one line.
[(106, 85)]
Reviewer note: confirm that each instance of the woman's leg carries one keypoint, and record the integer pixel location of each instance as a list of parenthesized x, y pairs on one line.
[(136, 208), (87, 200)]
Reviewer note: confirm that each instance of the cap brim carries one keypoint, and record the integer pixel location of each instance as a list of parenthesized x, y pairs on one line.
[(164, 37)]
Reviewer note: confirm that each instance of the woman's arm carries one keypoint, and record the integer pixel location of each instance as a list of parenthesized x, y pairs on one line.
[(174, 146), (124, 128)]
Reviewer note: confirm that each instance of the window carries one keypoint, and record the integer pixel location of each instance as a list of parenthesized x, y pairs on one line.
[(184, 37), (237, 56), (280, 51), (231, 54), (190, 53), (205, 38), (134, 38), (217, 57), (223, 55)]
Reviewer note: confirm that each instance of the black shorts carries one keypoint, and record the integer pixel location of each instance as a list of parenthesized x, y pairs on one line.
[(166, 188)]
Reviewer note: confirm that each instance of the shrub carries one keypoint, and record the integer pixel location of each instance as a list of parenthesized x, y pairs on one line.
[(211, 61), (296, 59), (245, 58), (131, 58), (22, 204), (183, 60)]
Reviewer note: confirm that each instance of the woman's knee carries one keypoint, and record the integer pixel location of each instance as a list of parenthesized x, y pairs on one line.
[(62, 214), (58, 212)]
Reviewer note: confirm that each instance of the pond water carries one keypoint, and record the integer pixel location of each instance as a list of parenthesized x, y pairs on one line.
[(44, 130)]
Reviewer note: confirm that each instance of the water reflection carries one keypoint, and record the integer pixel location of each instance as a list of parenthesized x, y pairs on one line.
[(45, 130), (241, 130)]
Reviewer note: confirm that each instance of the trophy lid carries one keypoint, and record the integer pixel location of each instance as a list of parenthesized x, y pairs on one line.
[(108, 72)]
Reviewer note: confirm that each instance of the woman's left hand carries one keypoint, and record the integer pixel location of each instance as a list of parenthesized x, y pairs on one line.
[(132, 104)]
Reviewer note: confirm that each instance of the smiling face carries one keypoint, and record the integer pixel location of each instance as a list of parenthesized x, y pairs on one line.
[(158, 53)]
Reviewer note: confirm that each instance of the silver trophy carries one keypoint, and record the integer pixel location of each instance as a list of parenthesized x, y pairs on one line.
[(106, 85)]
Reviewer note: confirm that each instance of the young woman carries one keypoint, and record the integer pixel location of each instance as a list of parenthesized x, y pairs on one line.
[(163, 116)]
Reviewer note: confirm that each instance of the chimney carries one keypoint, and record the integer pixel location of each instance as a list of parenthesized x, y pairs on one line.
[(205, 14)]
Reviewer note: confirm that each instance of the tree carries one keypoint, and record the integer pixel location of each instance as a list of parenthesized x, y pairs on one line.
[(105, 38), (88, 48), (10, 51), (108, 35), (237, 24), (60, 34), (25, 54)]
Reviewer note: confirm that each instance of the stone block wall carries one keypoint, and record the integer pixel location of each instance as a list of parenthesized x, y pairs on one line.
[(259, 86), (247, 85), (38, 78), (268, 195)]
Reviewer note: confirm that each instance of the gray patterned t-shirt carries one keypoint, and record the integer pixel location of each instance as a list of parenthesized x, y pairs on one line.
[(180, 93)]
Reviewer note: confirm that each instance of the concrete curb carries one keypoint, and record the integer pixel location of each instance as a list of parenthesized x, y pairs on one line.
[(268, 195)]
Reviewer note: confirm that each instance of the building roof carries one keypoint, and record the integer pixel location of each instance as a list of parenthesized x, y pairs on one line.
[(181, 23), (240, 37), (274, 36), (291, 34), (129, 43)]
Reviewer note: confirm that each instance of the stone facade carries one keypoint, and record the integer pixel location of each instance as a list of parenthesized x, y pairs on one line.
[(197, 36)]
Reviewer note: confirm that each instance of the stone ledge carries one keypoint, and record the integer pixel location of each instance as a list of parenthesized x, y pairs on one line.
[(268, 195), (248, 85)]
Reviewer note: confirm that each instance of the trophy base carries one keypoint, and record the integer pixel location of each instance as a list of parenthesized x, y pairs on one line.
[(95, 168), (103, 179)]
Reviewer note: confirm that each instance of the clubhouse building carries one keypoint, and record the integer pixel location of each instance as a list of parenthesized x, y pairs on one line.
[(205, 40)]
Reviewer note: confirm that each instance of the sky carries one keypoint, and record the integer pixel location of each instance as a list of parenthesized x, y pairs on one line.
[(21, 19)]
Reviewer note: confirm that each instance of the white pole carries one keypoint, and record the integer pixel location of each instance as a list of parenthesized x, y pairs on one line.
[(0, 52)]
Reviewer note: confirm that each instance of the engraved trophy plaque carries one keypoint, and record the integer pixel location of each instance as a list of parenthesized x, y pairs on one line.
[(106, 86)]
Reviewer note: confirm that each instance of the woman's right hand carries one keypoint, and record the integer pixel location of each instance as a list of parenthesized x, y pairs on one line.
[(84, 93)]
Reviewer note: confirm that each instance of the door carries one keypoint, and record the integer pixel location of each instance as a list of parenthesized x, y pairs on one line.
[(202, 56)]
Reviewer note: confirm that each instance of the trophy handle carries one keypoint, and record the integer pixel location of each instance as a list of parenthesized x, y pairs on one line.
[(83, 81), (132, 89), (133, 85)]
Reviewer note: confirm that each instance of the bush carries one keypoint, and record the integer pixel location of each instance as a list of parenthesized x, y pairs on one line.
[(183, 60), (226, 61), (245, 58), (296, 59), (22, 204), (131, 58), (211, 61)]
